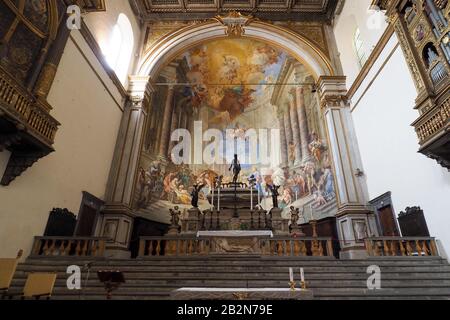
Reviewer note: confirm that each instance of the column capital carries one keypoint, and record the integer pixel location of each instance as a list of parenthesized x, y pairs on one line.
[(139, 88), (332, 91)]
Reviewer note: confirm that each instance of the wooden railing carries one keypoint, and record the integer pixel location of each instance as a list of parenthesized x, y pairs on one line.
[(435, 120), (297, 247), (19, 103), (69, 247), (277, 246), (401, 246)]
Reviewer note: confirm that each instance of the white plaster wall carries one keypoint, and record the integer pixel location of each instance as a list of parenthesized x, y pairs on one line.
[(356, 14), (389, 149), (382, 118), (102, 23), (84, 144)]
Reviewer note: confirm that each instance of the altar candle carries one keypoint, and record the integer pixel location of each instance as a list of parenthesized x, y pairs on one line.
[(296, 195), (302, 275), (291, 275)]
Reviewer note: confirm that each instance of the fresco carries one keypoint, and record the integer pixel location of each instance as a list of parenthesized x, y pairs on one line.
[(229, 85)]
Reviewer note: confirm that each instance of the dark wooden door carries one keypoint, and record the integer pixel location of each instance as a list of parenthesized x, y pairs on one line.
[(387, 221), (86, 221)]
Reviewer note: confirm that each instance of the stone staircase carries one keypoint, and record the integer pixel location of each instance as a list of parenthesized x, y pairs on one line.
[(401, 278)]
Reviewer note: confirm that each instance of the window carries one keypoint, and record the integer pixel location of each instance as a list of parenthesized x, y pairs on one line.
[(119, 49), (359, 48)]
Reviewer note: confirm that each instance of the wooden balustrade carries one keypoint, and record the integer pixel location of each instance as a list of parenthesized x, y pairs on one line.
[(401, 246), (297, 247), (278, 246), (69, 247), (25, 108)]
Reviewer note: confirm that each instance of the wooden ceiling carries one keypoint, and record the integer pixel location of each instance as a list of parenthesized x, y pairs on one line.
[(276, 10)]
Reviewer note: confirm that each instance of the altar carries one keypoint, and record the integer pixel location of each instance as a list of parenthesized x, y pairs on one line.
[(241, 294)]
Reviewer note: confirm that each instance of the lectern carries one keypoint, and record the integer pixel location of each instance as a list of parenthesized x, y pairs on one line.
[(111, 279)]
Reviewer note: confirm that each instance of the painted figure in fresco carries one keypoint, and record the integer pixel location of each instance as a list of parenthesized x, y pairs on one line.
[(274, 190), (235, 167), (291, 152), (207, 178), (142, 183), (195, 193), (316, 147), (319, 199), (286, 198)]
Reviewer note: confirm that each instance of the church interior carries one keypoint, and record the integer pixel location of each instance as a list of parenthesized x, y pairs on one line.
[(224, 149)]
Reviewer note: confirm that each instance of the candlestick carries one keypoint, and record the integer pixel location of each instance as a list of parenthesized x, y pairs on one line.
[(302, 279), (251, 197), (291, 275), (218, 199), (212, 201)]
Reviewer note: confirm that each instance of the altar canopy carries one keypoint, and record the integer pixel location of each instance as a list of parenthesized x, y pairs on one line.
[(240, 96)]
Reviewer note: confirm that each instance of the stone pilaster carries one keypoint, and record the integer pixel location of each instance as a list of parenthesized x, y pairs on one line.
[(117, 217), (355, 221)]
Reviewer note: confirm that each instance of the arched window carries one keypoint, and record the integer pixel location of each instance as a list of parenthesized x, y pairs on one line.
[(120, 47), (358, 45)]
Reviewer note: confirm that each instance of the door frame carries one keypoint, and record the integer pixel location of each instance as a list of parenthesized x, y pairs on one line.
[(91, 201)]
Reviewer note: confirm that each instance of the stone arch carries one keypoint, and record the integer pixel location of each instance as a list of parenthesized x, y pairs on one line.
[(179, 41)]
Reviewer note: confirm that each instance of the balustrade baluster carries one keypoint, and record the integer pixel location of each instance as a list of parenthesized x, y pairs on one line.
[(433, 247), (402, 248), (418, 248), (296, 248), (150, 248), (158, 248), (329, 248), (45, 249), (61, 250), (85, 247), (280, 248), (303, 249), (409, 249), (393, 248), (385, 248), (320, 249), (425, 249), (141, 248), (78, 248), (93, 248), (376, 249)]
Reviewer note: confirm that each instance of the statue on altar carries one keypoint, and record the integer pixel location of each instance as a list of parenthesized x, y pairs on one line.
[(194, 194), (235, 167), (274, 190), (175, 216)]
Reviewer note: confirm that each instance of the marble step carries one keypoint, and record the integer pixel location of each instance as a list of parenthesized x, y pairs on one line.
[(240, 269)]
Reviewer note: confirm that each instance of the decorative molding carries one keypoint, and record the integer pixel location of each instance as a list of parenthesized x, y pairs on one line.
[(235, 23)]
